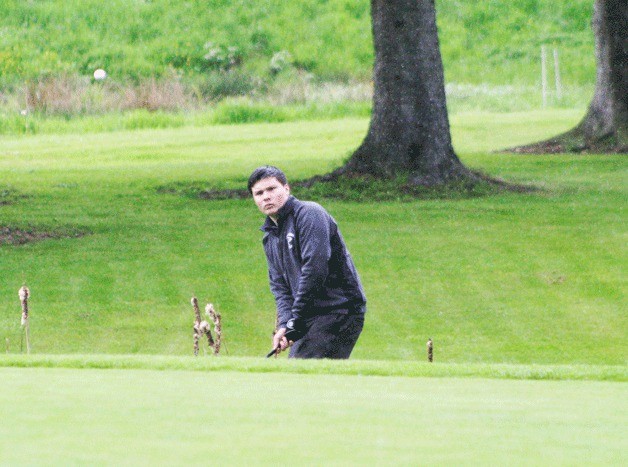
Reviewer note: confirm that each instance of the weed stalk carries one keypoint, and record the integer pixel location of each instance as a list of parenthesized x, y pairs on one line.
[(24, 293)]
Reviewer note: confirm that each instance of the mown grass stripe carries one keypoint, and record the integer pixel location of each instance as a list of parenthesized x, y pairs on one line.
[(354, 367)]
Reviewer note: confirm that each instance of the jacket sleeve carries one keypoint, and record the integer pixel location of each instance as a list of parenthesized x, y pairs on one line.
[(314, 235), (283, 296)]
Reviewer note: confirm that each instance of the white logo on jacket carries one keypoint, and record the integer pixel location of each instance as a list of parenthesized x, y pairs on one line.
[(290, 238)]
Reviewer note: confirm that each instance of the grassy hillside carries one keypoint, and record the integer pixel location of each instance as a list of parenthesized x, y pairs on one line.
[(493, 41), (174, 55), (505, 278)]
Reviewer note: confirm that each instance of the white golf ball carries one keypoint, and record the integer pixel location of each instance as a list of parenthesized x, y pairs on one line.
[(100, 74)]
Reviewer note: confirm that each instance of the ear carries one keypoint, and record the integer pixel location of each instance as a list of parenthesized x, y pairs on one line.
[(287, 188)]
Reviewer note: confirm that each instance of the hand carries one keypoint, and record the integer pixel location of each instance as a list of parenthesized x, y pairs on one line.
[(280, 342)]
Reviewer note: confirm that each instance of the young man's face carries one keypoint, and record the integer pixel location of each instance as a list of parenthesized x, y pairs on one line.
[(270, 195)]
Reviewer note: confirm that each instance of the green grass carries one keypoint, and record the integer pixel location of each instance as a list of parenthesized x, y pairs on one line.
[(493, 42), (95, 417), (511, 278), (238, 111), (406, 368), (233, 111)]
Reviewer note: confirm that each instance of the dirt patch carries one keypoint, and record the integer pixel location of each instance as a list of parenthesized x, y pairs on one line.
[(574, 142), (9, 196), (20, 236), (545, 147), (224, 194), (200, 190)]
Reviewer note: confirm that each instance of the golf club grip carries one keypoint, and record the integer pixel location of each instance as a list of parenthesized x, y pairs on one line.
[(272, 352)]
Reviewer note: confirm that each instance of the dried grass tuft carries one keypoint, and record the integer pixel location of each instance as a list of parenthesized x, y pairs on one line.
[(430, 350), (216, 318), (197, 324), (24, 294), (71, 96), (204, 327)]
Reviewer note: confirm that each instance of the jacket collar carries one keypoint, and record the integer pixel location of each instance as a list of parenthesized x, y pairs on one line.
[(285, 210)]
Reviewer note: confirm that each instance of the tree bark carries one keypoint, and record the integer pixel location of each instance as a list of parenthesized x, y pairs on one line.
[(607, 116), (409, 132), (604, 128)]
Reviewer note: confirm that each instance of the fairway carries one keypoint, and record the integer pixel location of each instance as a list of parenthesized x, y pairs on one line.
[(508, 278), (131, 417)]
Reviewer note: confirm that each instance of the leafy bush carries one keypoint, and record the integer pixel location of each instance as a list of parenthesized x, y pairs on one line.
[(220, 84)]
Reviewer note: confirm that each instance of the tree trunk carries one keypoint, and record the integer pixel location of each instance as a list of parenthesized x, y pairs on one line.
[(607, 117), (409, 131), (604, 128)]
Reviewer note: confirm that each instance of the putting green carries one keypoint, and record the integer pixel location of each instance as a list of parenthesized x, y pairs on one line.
[(67, 416)]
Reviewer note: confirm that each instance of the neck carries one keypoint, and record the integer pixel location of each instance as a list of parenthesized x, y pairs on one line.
[(275, 217)]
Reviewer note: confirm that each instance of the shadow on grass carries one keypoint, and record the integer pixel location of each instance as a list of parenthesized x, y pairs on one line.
[(9, 195), (574, 141), (360, 188)]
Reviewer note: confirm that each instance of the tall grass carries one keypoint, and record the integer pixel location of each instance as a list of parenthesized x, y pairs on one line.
[(298, 103), (233, 111)]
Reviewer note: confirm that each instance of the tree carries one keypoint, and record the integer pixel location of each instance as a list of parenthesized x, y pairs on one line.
[(604, 128), (409, 131)]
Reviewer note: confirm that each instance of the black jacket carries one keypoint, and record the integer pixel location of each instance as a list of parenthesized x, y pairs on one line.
[(310, 270)]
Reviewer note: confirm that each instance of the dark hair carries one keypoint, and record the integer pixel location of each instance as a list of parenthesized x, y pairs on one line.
[(266, 171)]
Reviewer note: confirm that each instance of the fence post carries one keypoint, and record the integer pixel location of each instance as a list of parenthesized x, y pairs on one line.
[(559, 90), (543, 76)]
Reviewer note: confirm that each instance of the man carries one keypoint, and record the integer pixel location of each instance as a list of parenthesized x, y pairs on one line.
[(320, 300)]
